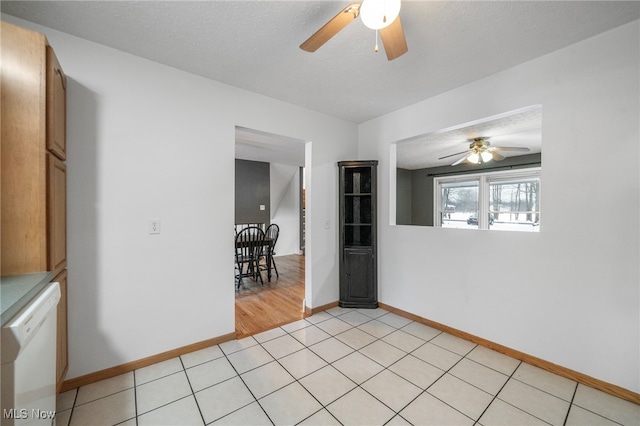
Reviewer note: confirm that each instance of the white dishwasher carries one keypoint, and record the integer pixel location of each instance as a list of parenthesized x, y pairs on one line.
[(29, 362)]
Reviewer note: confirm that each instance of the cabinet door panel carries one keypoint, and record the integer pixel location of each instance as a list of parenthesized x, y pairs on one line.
[(56, 106), (57, 213), (23, 189), (359, 268)]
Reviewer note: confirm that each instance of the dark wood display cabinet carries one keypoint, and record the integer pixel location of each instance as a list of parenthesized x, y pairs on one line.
[(358, 234)]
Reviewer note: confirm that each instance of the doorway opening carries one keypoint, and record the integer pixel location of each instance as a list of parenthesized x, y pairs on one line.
[(270, 188)]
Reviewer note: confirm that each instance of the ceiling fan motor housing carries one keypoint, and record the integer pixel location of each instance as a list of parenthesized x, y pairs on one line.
[(479, 144)]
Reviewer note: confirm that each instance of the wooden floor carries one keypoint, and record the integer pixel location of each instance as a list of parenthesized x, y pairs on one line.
[(260, 308)]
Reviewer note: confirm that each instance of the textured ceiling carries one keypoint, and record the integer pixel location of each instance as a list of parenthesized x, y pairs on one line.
[(269, 148), (254, 44), (521, 129)]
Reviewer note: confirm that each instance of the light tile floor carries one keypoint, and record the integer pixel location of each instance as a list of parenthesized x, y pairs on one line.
[(343, 366)]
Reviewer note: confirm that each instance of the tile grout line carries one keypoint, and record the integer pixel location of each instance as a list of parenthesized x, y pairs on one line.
[(193, 393), (160, 378), (102, 397), (444, 374), (571, 405), (497, 393), (590, 411), (542, 390), (135, 398), (73, 406), (526, 384), (575, 390), (245, 384)]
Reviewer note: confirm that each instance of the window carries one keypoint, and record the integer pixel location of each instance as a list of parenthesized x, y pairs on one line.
[(458, 201), (507, 201)]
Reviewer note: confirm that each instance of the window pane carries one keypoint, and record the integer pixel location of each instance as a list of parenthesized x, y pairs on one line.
[(459, 204), (515, 205)]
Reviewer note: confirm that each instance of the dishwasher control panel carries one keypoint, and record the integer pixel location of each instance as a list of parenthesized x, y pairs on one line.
[(21, 328)]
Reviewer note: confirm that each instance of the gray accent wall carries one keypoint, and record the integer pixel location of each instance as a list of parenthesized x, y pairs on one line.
[(252, 190), (403, 197)]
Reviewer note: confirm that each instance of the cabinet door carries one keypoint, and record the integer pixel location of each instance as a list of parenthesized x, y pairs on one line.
[(61, 340), (56, 106), (23, 194), (358, 277), (56, 213)]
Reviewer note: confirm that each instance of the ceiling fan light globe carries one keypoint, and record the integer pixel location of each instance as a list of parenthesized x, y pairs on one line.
[(378, 14), (474, 158), (486, 156)]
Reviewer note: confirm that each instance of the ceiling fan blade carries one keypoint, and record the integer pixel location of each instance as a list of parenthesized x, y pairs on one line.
[(331, 28), (510, 148), (460, 160), (497, 156), (393, 39), (453, 155)]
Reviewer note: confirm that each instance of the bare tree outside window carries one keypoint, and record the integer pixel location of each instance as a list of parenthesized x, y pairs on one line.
[(516, 202)]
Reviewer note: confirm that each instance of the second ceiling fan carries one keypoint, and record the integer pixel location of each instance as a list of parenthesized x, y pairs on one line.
[(379, 15), (480, 151)]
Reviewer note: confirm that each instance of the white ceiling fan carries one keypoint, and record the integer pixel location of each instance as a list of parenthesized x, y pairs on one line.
[(379, 15), (480, 151)]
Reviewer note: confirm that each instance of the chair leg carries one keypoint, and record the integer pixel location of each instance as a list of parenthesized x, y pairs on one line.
[(257, 271), (274, 266), (250, 269), (267, 264)]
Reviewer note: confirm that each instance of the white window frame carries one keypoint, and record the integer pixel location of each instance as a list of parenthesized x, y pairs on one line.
[(484, 179)]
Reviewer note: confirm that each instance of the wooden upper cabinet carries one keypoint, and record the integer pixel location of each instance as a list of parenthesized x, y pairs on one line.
[(56, 107), (33, 183), (24, 190)]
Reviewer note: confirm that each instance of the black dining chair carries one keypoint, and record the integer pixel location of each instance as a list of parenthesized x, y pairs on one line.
[(249, 247), (240, 226), (271, 238)]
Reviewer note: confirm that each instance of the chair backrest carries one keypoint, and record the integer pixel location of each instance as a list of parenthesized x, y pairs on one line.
[(249, 242), (240, 226), (272, 233)]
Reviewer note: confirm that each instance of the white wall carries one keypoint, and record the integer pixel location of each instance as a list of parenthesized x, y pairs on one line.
[(285, 207), (150, 141), (569, 294), (145, 140)]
